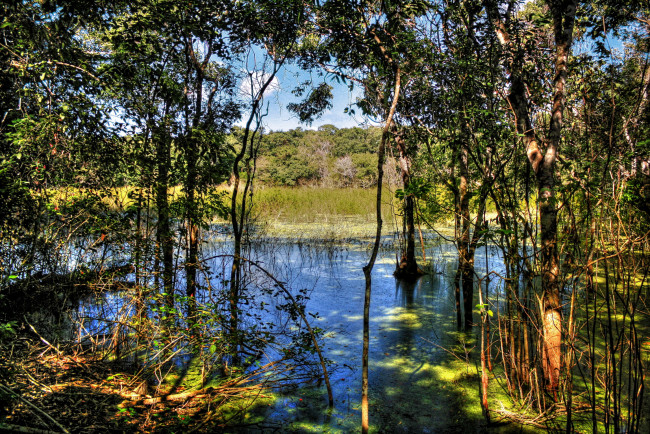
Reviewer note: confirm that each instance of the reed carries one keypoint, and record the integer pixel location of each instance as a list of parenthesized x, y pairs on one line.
[(306, 204)]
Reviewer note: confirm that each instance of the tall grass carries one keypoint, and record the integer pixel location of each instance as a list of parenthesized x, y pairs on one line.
[(316, 204)]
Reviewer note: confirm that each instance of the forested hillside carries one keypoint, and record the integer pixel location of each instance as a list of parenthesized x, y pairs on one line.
[(327, 157)]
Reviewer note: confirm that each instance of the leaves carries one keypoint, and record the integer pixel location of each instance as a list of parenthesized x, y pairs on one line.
[(318, 100)]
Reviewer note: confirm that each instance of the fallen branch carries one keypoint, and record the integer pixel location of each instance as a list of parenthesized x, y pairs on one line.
[(41, 337), (26, 429), (50, 418)]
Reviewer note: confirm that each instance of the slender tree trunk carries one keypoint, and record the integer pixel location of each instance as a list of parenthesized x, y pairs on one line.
[(457, 293), (465, 263), (164, 233), (408, 266), (192, 254), (457, 236), (139, 300), (543, 163), (237, 217), (191, 155), (367, 270), (563, 22)]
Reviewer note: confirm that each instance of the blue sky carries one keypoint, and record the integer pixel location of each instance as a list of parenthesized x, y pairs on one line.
[(279, 118)]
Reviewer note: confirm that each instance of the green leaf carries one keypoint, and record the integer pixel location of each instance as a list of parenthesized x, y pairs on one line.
[(213, 349)]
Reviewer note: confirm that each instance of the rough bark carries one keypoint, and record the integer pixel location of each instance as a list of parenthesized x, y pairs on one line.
[(408, 266), (563, 23)]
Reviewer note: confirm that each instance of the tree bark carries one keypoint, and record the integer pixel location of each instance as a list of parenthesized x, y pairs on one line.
[(543, 163), (408, 266), (563, 22)]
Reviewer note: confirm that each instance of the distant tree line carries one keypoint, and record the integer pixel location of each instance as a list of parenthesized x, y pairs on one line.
[(327, 157)]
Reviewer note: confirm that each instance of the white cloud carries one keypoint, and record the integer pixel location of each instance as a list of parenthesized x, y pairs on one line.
[(253, 82)]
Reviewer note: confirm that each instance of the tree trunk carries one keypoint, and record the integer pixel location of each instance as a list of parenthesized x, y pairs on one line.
[(191, 155), (543, 163), (465, 263), (367, 270), (408, 266), (563, 22), (237, 219), (164, 233), (192, 255)]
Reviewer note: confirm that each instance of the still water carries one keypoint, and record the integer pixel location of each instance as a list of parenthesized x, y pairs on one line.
[(423, 372)]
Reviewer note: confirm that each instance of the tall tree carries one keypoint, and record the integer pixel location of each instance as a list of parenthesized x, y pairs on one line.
[(542, 156), (50, 121), (453, 109)]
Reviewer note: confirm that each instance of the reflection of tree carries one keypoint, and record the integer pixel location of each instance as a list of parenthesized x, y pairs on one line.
[(406, 291)]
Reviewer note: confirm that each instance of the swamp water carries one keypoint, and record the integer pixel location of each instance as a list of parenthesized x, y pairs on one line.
[(423, 372)]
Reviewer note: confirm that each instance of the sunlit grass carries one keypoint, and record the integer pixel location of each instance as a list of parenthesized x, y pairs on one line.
[(316, 204)]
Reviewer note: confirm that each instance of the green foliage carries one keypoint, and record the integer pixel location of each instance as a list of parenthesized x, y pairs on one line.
[(327, 157), (485, 309), (7, 330), (417, 188), (318, 100), (98, 97)]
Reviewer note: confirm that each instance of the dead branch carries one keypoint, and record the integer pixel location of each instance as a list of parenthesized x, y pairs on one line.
[(38, 410), (25, 429)]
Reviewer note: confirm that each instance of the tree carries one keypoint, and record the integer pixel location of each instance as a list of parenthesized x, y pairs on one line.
[(453, 108), (276, 28), (372, 44), (51, 125), (542, 161)]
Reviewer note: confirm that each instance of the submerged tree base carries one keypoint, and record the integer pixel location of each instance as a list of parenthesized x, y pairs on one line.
[(408, 270)]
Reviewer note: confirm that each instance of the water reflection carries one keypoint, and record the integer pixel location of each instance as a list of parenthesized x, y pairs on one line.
[(415, 359), (413, 333)]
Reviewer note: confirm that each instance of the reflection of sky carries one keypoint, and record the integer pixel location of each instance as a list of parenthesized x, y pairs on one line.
[(413, 331), (412, 327)]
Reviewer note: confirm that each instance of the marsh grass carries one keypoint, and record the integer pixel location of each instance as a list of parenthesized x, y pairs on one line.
[(316, 204), (117, 199)]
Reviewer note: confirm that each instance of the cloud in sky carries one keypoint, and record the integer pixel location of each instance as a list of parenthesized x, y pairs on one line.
[(278, 96), (253, 82)]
